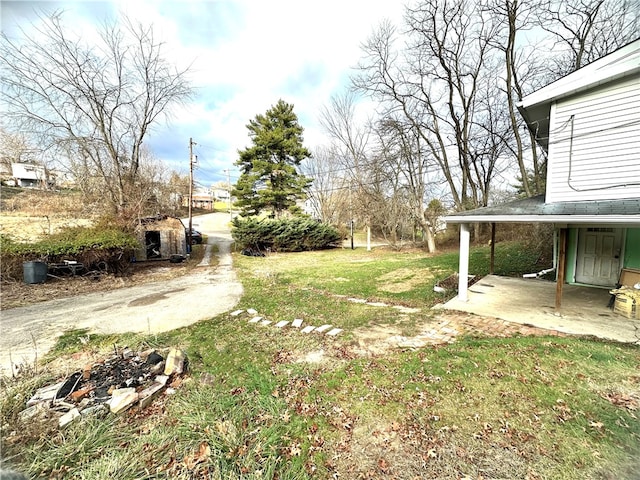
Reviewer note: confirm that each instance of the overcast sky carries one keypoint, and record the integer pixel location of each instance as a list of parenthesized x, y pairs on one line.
[(245, 55)]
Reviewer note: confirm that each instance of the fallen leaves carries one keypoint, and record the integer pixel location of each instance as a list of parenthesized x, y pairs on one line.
[(383, 465), (282, 357), (629, 401), (202, 455), (238, 391), (563, 411)]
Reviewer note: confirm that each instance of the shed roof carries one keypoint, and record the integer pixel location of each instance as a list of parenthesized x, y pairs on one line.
[(155, 221), (535, 210)]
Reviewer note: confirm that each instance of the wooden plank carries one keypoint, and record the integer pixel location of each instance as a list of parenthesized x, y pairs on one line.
[(562, 260), (493, 249)]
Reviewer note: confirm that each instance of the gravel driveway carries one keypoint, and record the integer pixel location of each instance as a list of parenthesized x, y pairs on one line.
[(27, 332)]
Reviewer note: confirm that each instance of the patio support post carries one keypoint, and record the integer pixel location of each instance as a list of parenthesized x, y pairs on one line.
[(493, 248), (463, 270), (562, 261)]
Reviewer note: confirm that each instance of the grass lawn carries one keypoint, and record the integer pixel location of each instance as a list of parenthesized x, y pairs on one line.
[(267, 403)]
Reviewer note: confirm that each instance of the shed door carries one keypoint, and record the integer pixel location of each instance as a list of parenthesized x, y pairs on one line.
[(598, 260), (153, 244)]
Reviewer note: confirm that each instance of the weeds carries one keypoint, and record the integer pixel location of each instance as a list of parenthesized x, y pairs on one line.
[(521, 407)]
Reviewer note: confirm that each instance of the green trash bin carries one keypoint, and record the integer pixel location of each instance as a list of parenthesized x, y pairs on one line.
[(34, 272)]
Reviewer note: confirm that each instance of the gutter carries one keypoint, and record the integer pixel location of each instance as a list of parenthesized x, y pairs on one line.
[(631, 220)]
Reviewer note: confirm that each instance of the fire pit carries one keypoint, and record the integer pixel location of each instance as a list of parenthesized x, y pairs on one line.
[(115, 384)]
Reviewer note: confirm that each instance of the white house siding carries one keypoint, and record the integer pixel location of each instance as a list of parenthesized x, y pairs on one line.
[(600, 159), (28, 175)]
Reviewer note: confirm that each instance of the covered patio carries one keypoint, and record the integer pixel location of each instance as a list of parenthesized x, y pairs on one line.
[(532, 302)]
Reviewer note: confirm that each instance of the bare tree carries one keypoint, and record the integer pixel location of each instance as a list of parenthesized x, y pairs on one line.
[(452, 39), (433, 83), (15, 149), (448, 85), (350, 154), (491, 145), (585, 30), (329, 194), (149, 194), (98, 103), (403, 151), (514, 18), (351, 139), (177, 192), (382, 198)]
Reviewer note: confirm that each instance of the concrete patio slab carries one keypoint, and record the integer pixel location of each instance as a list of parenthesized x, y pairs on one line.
[(531, 302)]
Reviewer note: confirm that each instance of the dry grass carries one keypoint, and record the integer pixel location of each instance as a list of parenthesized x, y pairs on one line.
[(28, 215), (27, 228), (18, 294)]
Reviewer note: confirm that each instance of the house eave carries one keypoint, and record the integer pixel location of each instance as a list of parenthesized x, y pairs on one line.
[(546, 98), (616, 65), (630, 220), (535, 108)]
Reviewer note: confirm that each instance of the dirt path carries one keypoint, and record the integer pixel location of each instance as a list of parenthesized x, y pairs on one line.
[(29, 332)]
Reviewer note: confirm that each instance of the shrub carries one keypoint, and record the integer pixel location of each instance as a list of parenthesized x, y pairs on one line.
[(104, 248), (295, 234)]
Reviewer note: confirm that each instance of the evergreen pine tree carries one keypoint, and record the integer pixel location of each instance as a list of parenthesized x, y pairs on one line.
[(269, 179)]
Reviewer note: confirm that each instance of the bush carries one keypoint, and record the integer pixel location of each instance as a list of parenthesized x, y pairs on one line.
[(104, 248), (295, 234)]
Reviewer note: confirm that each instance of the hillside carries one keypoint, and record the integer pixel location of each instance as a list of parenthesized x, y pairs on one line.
[(28, 214)]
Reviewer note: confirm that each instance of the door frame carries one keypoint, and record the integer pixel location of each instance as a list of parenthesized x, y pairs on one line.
[(577, 228)]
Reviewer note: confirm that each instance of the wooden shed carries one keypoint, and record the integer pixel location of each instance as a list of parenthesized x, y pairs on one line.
[(160, 237)]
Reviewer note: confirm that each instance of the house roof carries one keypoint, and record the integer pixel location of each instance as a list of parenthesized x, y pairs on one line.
[(535, 107), (28, 171), (535, 210)]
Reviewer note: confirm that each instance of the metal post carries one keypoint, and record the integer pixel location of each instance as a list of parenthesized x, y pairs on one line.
[(189, 241), (351, 234)]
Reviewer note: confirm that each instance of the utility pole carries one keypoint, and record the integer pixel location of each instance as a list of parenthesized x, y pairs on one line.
[(191, 144)]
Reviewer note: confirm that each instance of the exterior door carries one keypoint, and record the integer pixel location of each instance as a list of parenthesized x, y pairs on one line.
[(152, 241), (598, 261)]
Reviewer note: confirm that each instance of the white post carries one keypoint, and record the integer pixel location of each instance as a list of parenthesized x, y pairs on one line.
[(463, 270)]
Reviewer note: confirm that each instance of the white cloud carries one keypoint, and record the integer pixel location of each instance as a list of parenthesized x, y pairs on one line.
[(245, 55)]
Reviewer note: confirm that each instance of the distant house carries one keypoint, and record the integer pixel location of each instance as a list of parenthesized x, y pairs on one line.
[(206, 199), (221, 194), (200, 199), (29, 175), (588, 122), (203, 199), (160, 237)]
